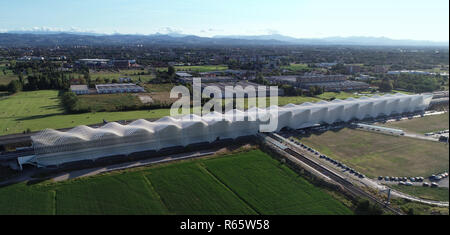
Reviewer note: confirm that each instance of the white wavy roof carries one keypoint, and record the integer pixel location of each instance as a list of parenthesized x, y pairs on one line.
[(190, 129)]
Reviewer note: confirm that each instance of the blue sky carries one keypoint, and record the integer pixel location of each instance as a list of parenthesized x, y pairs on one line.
[(397, 19)]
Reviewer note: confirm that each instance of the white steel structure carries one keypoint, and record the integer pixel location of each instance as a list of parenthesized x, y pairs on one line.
[(84, 143)]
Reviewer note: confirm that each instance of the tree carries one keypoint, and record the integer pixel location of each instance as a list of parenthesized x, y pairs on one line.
[(69, 101), (364, 207), (386, 85), (99, 80), (171, 71), (15, 86)]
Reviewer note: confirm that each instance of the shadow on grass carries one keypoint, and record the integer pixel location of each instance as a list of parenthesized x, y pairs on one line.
[(38, 117)]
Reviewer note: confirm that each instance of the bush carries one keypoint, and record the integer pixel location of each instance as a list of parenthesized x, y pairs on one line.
[(364, 207), (69, 101), (15, 86)]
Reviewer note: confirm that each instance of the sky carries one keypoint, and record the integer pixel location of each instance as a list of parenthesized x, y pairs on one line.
[(396, 19)]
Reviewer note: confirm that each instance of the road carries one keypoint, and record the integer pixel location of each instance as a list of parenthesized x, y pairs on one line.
[(28, 175), (128, 165)]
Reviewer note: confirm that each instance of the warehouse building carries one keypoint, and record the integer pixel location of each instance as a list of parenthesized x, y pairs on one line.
[(118, 88), (186, 80), (222, 86), (79, 89), (53, 148)]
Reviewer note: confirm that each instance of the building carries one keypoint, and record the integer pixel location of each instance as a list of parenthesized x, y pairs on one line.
[(121, 64), (337, 86), (352, 69), (93, 63), (290, 80), (307, 78), (125, 80), (244, 84), (208, 79), (380, 68), (118, 88), (183, 74), (326, 65), (333, 83), (79, 89), (410, 72), (53, 148), (364, 77)]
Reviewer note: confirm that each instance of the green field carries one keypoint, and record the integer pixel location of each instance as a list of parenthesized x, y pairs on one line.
[(379, 155), (423, 125), (108, 102), (271, 188), (338, 95), (38, 110), (297, 67), (244, 183), (131, 73), (436, 194)]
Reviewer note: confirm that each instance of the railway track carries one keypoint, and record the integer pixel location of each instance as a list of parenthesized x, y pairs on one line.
[(350, 187)]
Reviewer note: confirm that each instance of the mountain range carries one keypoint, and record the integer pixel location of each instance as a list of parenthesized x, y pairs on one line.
[(54, 38)]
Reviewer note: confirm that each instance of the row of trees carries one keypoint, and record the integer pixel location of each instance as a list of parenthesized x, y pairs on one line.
[(412, 83)]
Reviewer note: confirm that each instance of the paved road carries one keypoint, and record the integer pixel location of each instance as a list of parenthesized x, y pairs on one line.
[(28, 174), (128, 165)]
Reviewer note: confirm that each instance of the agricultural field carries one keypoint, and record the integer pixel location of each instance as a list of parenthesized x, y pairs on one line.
[(131, 73), (435, 194), (339, 95), (108, 102), (38, 110), (377, 154), (271, 188), (199, 68), (422, 125), (243, 183)]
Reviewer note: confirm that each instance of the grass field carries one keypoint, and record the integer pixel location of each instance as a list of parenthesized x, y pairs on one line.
[(38, 110), (379, 155), (244, 183), (271, 188), (297, 67), (436, 194), (423, 125), (337, 95), (111, 74), (108, 102)]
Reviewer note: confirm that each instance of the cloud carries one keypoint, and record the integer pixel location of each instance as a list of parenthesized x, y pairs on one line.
[(169, 30), (46, 29), (272, 31)]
